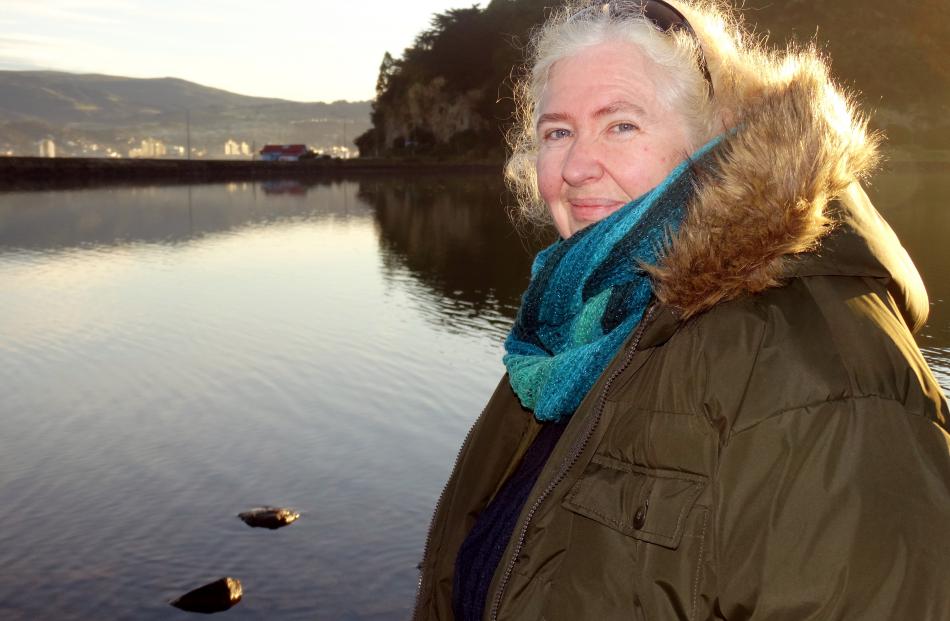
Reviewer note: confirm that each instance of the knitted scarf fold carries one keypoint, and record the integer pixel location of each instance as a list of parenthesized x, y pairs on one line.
[(587, 293)]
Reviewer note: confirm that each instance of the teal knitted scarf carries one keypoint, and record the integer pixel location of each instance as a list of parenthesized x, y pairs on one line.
[(587, 293)]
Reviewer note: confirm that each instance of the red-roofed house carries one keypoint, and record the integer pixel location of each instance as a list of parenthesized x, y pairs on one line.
[(283, 152)]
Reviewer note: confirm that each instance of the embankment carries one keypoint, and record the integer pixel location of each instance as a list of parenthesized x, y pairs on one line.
[(63, 172)]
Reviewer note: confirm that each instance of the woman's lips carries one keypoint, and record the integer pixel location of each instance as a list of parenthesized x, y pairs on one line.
[(593, 210)]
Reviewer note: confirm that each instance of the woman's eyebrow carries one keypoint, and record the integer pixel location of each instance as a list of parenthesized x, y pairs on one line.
[(612, 108), (619, 106), (553, 117)]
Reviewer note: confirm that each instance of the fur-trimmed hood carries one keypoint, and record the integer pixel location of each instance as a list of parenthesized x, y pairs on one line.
[(782, 199)]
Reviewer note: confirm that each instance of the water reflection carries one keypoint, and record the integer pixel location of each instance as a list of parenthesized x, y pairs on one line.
[(109, 216), (285, 186), (455, 240)]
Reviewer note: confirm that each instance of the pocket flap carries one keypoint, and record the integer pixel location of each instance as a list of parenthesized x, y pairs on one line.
[(650, 505)]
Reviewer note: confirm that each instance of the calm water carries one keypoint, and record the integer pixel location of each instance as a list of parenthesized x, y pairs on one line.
[(175, 355)]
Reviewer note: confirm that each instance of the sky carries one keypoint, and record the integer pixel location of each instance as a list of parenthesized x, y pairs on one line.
[(316, 50)]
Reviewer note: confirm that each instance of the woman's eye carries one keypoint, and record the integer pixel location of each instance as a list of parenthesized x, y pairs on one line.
[(557, 134), (621, 128)]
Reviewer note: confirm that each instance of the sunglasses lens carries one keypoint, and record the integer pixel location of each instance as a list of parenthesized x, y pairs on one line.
[(664, 16)]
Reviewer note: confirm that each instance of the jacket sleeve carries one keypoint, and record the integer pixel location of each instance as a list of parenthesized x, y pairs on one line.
[(835, 510)]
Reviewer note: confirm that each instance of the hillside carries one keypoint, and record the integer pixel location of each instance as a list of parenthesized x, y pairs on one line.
[(894, 59), (116, 112), (450, 93)]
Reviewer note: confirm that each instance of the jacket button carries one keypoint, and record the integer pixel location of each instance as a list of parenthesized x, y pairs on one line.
[(640, 517)]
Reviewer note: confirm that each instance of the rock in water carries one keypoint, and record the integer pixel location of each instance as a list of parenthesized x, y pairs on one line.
[(269, 517), (215, 596)]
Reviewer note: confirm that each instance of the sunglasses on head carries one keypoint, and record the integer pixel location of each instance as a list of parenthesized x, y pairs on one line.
[(663, 15)]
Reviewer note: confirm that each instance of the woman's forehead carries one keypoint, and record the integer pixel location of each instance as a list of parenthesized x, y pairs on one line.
[(598, 80)]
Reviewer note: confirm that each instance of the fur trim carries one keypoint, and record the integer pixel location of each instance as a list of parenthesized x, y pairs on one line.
[(797, 146)]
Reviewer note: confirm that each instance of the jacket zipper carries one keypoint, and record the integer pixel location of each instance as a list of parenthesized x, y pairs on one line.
[(435, 512), (568, 463)]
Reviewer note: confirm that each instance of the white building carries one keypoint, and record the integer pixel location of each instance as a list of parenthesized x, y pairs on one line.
[(150, 148), (342, 152), (47, 148), (235, 148)]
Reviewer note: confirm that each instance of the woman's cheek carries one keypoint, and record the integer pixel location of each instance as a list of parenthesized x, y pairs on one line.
[(549, 177)]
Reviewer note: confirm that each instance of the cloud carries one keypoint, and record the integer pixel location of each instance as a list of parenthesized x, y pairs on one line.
[(83, 12), (19, 52), (30, 41), (109, 12), (26, 51), (13, 63)]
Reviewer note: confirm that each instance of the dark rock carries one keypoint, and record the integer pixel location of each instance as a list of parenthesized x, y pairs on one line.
[(215, 596), (269, 517)]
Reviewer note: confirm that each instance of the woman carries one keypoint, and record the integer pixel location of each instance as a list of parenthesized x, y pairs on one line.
[(714, 406)]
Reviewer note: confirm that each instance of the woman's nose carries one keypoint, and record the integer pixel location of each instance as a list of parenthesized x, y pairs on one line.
[(582, 163)]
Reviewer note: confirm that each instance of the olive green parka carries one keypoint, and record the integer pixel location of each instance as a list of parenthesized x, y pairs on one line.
[(768, 444)]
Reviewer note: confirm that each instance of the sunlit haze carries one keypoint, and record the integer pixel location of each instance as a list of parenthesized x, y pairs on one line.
[(291, 49)]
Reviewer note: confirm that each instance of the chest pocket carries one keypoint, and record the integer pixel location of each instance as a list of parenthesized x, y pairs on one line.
[(634, 544), (648, 505)]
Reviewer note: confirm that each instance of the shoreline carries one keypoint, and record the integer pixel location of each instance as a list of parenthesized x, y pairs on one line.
[(25, 173)]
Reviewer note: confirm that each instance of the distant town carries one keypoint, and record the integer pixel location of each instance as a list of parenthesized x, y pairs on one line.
[(54, 114), (153, 148)]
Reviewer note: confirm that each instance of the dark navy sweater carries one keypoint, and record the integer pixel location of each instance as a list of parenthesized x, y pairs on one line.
[(480, 553)]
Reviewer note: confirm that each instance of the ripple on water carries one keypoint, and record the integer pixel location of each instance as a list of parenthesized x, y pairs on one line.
[(939, 360)]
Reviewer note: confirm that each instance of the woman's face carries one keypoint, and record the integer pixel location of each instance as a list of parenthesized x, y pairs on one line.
[(604, 137)]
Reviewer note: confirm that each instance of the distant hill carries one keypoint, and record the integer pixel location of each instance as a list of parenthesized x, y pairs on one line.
[(450, 92), (894, 55), (120, 111)]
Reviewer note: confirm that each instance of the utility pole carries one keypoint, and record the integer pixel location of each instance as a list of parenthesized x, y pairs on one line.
[(188, 133)]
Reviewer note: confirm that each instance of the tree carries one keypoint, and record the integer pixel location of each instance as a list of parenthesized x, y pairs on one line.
[(473, 51)]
